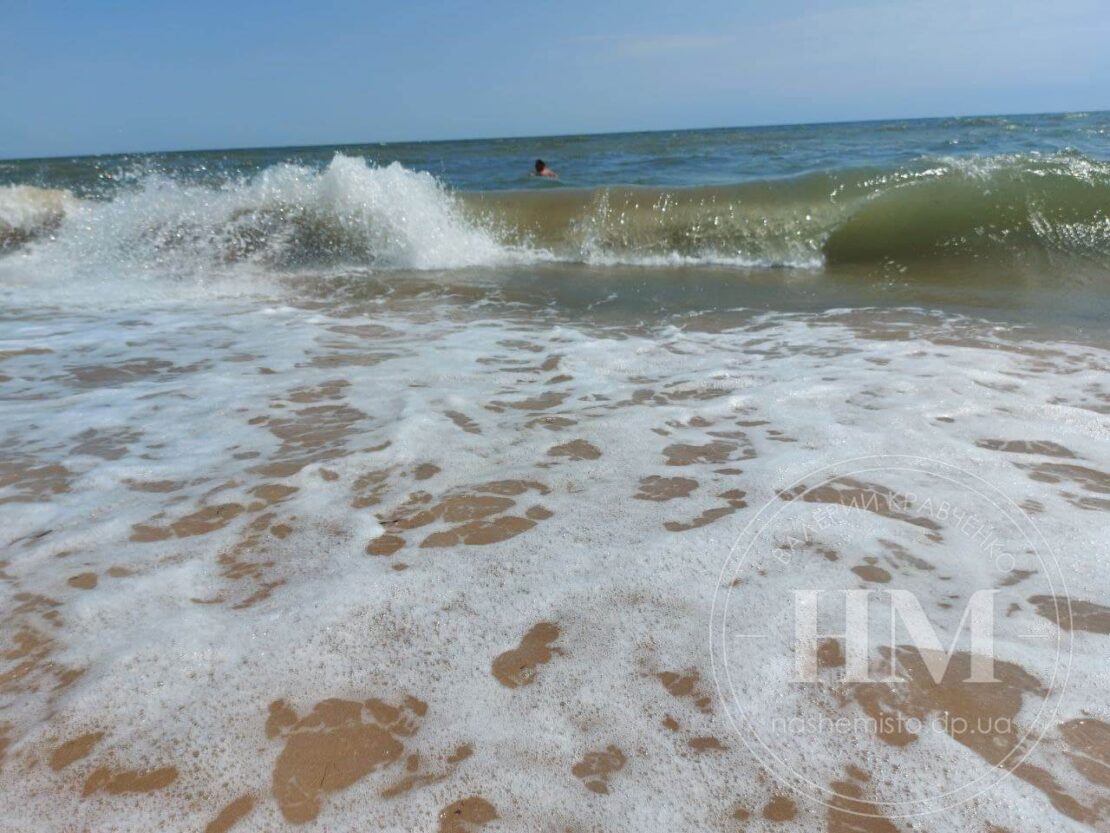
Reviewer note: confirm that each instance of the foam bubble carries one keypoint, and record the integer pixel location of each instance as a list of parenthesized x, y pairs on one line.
[(223, 468)]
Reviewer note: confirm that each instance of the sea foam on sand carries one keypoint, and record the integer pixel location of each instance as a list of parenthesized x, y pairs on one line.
[(419, 565)]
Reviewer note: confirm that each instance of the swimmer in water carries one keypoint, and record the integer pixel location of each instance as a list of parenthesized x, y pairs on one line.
[(543, 170)]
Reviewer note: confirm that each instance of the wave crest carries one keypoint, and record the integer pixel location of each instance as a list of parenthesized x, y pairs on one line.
[(1005, 210), (26, 212), (286, 217)]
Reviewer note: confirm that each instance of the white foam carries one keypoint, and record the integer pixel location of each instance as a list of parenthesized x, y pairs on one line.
[(161, 238), (172, 681), (28, 209)]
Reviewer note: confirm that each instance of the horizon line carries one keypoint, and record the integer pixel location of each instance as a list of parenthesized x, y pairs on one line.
[(758, 126)]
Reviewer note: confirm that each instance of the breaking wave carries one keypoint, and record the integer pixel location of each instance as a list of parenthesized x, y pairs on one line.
[(1004, 210)]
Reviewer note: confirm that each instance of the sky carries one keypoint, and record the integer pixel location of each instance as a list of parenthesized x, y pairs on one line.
[(99, 76)]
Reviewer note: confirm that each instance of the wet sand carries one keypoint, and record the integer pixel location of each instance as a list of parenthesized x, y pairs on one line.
[(414, 562)]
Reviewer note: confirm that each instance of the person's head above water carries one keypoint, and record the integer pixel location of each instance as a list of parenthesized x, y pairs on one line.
[(543, 170)]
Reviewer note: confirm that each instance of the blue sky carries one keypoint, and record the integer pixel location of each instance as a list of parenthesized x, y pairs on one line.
[(94, 76)]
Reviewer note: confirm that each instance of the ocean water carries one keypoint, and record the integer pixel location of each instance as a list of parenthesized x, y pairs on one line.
[(386, 487)]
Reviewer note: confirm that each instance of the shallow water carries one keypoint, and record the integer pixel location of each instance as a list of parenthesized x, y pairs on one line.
[(471, 534)]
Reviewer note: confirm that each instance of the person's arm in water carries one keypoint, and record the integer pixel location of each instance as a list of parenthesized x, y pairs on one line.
[(541, 169)]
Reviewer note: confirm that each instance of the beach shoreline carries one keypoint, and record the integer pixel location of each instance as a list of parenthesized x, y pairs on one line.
[(325, 506)]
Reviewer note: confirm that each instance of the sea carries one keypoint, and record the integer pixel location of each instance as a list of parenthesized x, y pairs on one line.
[(736, 479)]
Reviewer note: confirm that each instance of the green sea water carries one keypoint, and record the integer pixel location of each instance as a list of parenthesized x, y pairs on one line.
[(1006, 213)]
